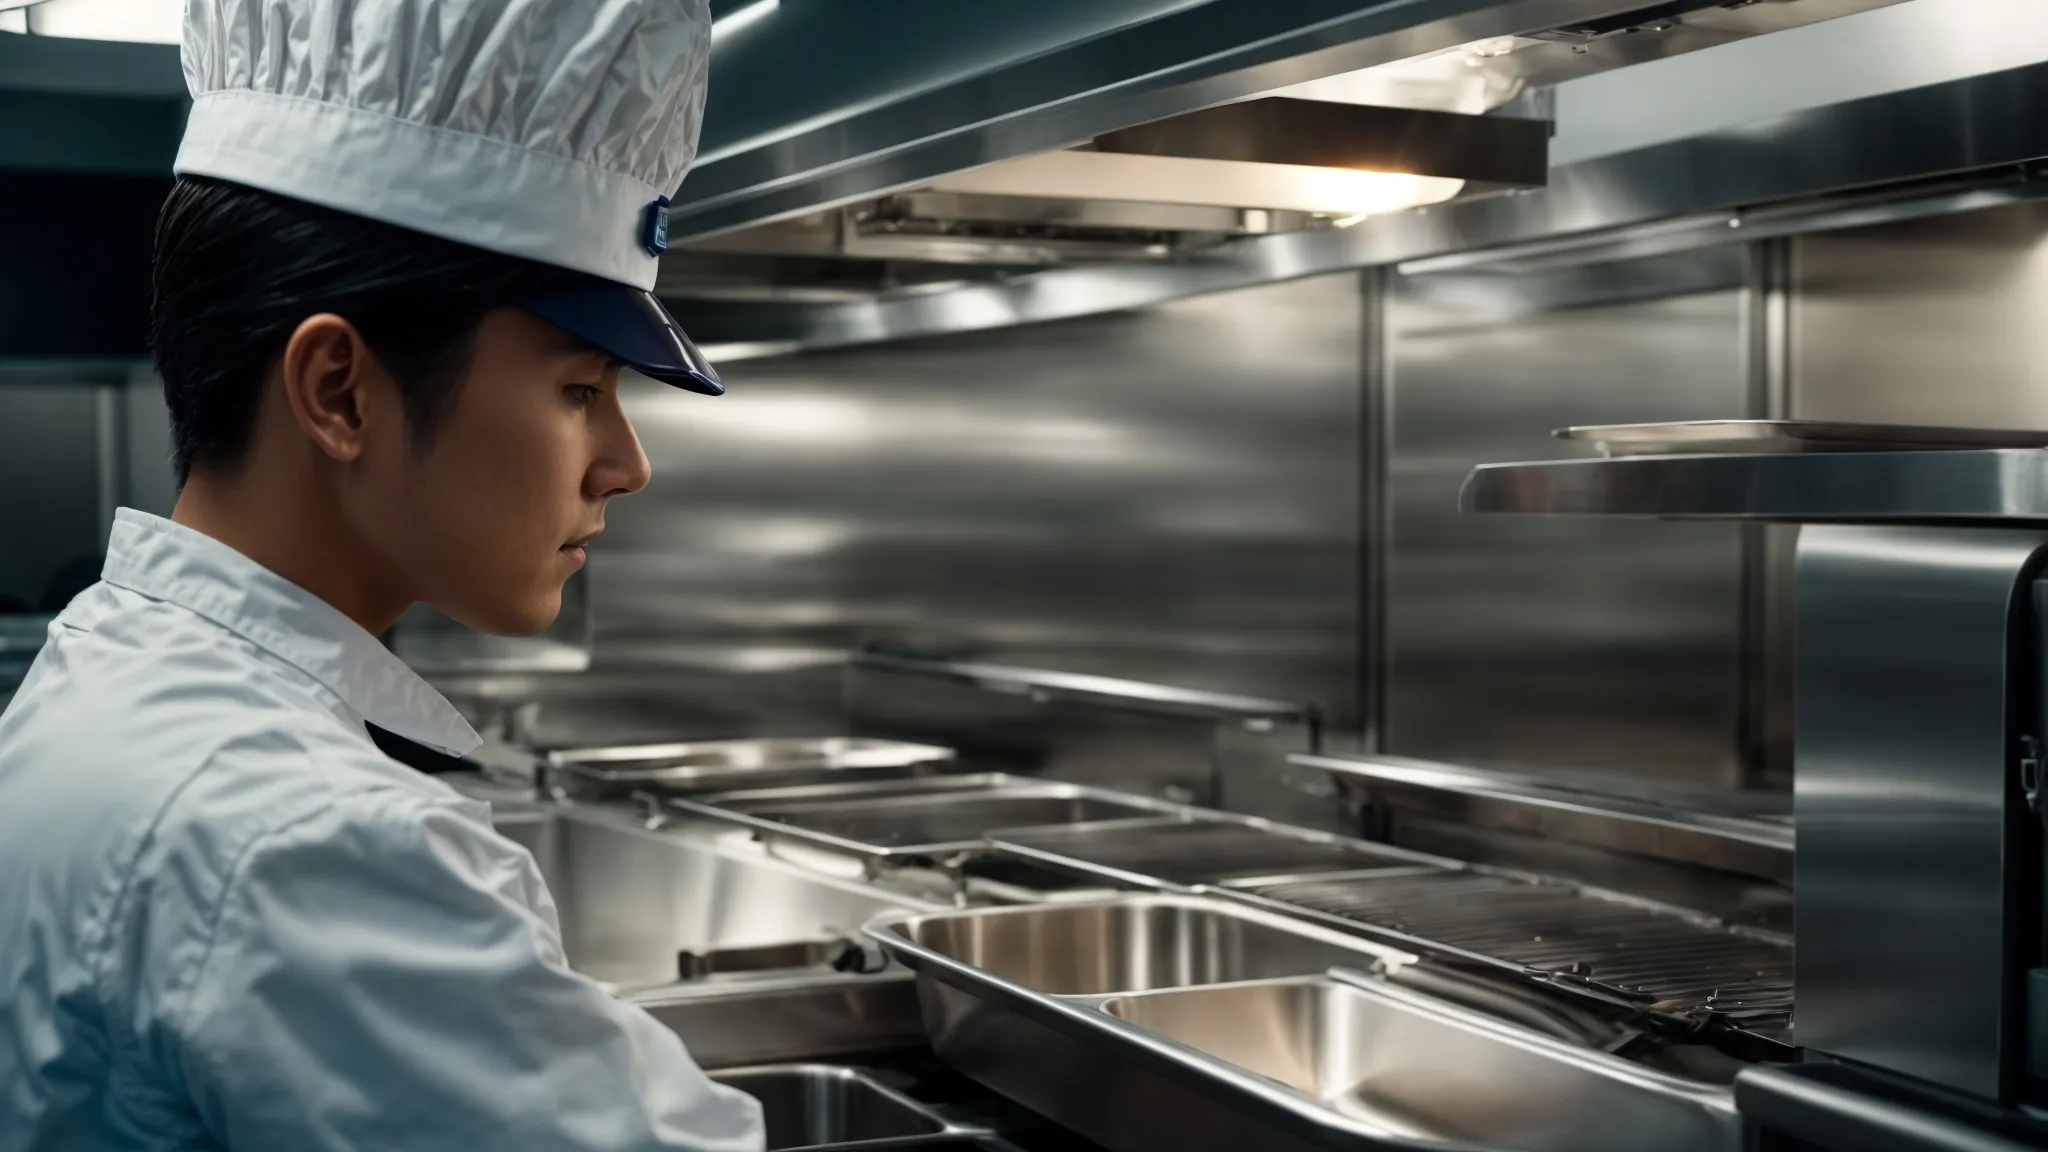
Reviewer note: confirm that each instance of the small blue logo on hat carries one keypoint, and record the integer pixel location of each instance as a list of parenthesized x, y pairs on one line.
[(654, 229)]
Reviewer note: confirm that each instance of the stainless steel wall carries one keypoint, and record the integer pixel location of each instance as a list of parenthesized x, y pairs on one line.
[(1171, 495), (1560, 645), (1935, 321)]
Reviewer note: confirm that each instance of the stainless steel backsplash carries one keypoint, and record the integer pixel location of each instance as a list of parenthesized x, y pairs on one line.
[(1169, 495), (1559, 644)]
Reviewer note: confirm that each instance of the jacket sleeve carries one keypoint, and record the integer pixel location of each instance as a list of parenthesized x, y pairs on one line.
[(387, 973)]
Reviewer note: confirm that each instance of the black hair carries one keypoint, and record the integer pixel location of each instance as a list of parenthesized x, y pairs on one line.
[(237, 269)]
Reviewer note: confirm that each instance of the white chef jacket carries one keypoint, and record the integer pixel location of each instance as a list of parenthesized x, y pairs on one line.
[(228, 921)]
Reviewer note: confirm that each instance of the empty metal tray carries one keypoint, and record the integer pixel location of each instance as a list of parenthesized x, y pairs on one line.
[(1635, 953), (1719, 436), (599, 773), (821, 1105), (906, 820), (1184, 853)]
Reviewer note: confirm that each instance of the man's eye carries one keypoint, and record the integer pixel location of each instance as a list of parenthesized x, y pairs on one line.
[(583, 394)]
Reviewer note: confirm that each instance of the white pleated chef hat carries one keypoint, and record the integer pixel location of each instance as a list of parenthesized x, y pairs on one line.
[(553, 130)]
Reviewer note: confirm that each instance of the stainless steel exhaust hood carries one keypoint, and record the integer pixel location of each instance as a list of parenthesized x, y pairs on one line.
[(1196, 124), (986, 103)]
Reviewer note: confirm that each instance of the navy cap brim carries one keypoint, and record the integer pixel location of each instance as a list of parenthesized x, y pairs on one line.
[(630, 325)]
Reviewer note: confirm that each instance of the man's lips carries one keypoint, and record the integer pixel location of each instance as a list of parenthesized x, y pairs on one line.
[(574, 549)]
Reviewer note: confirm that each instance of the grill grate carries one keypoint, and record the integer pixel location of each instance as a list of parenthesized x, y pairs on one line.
[(1681, 962), (1200, 851)]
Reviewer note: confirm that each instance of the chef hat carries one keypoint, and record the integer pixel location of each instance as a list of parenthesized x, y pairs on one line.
[(553, 130)]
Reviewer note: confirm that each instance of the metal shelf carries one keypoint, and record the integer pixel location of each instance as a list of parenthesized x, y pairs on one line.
[(1976, 488)]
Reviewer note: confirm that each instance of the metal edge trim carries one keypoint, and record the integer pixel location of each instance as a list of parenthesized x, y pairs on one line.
[(888, 853), (1732, 829), (605, 753), (1002, 678), (1136, 881)]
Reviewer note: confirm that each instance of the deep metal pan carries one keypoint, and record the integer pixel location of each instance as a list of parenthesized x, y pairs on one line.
[(1162, 1022)]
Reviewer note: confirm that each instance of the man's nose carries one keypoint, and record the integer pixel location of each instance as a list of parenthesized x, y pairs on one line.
[(621, 467)]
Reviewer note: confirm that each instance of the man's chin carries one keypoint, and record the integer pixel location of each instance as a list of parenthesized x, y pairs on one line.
[(510, 620)]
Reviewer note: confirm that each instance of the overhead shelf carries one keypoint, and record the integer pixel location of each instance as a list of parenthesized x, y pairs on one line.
[(1964, 488)]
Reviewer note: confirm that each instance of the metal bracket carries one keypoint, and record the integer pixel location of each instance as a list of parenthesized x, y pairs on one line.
[(2030, 772)]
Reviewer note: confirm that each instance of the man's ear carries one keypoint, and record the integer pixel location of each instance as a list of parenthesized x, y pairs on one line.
[(327, 370)]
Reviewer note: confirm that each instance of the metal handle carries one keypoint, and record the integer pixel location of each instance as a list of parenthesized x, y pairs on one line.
[(650, 805), (860, 955)]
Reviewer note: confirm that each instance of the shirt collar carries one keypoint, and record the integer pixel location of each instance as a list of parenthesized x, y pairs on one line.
[(173, 563)]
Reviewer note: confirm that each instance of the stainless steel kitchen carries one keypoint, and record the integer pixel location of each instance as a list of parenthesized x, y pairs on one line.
[(1208, 575)]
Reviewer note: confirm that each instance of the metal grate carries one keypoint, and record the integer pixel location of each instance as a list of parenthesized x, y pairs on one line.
[(1200, 851), (1680, 962)]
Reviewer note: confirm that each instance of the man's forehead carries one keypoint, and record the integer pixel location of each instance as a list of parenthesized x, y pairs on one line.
[(558, 342)]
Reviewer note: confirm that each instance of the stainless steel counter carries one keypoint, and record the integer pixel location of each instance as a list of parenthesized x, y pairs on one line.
[(1128, 1017)]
